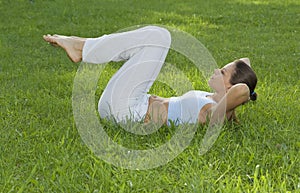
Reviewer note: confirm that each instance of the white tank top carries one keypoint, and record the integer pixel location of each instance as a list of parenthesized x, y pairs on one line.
[(186, 108)]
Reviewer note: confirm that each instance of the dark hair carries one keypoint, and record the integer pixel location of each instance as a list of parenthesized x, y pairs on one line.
[(244, 74)]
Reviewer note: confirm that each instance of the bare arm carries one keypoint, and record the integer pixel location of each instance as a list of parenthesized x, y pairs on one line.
[(236, 95)]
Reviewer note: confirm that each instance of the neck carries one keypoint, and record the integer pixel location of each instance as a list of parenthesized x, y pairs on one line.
[(217, 96)]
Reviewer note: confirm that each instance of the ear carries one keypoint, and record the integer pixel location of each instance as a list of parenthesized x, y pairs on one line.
[(246, 60)]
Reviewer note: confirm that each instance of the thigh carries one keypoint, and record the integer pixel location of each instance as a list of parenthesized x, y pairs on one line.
[(126, 93)]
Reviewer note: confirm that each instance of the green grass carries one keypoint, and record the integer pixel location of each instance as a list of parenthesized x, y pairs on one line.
[(42, 151)]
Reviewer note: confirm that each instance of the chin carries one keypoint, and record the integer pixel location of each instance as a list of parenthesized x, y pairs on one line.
[(210, 85), (210, 82)]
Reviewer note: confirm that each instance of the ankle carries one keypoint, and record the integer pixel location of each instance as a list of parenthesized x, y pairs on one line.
[(79, 45)]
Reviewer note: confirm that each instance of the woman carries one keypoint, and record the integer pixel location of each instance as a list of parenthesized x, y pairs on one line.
[(144, 50)]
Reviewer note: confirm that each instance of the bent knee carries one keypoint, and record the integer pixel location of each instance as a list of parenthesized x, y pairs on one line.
[(159, 36)]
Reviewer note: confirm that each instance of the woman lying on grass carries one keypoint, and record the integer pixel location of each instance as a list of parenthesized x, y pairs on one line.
[(144, 50)]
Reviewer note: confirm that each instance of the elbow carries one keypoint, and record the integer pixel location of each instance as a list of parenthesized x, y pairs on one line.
[(202, 120), (242, 92), (241, 89), (245, 93)]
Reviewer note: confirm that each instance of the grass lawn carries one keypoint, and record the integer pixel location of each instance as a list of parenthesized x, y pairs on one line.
[(42, 151)]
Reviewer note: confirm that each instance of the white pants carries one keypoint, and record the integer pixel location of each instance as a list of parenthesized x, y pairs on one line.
[(126, 94)]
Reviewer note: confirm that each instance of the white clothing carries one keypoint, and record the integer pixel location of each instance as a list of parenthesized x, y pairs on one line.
[(126, 94), (186, 108), (145, 49)]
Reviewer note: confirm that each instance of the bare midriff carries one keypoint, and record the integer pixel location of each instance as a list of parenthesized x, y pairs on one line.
[(157, 109)]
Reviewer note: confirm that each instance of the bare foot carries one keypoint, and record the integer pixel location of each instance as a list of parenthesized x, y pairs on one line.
[(71, 44)]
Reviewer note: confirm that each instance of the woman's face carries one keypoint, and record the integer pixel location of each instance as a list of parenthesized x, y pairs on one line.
[(220, 80)]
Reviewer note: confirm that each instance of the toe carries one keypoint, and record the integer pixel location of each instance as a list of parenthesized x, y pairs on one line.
[(45, 37), (50, 39)]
